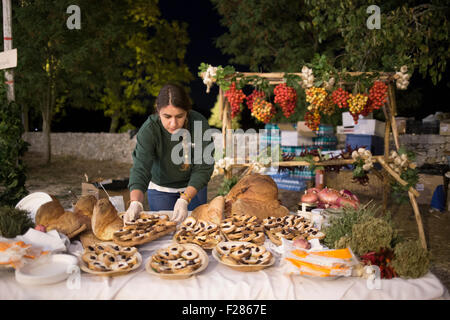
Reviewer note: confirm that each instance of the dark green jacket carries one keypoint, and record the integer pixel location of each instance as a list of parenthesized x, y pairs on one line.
[(152, 159)]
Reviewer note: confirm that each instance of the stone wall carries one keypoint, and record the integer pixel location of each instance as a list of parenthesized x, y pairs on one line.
[(99, 146), (429, 148), (118, 147)]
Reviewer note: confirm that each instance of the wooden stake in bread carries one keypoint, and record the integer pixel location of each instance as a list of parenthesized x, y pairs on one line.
[(105, 220)]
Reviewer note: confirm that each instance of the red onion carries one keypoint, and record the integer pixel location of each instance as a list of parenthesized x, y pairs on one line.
[(313, 190), (309, 198), (344, 201), (40, 227), (301, 243), (328, 196), (349, 194)]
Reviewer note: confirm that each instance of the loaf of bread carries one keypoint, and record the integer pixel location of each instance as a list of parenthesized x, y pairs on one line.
[(105, 220), (49, 212), (255, 195), (211, 212), (85, 205)]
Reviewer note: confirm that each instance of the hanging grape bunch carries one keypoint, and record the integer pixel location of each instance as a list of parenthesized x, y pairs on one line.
[(263, 110), (312, 120), (235, 98), (377, 97), (340, 98), (251, 98), (286, 97), (316, 97), (356, 104)]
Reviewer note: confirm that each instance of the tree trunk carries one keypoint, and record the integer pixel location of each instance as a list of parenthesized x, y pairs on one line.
[(25, 118), (46, 123), (114, 123)]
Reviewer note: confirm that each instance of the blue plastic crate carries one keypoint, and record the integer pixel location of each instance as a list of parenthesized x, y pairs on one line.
[(373, 143)]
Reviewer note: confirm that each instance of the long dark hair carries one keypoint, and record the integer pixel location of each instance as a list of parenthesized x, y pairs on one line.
[(175, 95)]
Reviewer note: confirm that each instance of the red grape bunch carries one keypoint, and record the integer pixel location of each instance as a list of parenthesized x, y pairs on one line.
[(340, 97), (251, 98), (235, 98), (286, 97)]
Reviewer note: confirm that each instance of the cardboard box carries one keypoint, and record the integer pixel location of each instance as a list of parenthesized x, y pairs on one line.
[(91, 188), (444, 128), (370, 127), (345, 130), (304, 131), (295, 134), (292, 138), (347, 119)]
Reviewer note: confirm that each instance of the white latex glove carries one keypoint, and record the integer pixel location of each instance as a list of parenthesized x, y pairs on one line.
[(180, 211), (133, 211)]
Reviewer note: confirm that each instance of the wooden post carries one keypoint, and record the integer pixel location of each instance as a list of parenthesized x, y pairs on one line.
[(386, 186), (391, 107), (418, 219), (7, 45)]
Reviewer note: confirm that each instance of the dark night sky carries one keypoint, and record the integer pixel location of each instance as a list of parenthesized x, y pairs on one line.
[(203, 28)]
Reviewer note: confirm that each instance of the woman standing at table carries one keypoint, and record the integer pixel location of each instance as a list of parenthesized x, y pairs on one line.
[(169, 186)]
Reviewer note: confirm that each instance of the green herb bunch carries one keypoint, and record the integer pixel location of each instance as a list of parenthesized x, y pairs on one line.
[(342, 222), (411, 260), (14, 222)]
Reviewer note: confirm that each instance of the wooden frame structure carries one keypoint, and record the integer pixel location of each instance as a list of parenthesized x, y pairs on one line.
[(389, 110)]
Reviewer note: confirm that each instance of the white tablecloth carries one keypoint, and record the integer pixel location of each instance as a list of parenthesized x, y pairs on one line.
[(218, 282)]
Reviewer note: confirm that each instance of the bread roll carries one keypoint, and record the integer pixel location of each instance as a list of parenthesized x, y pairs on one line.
[(214, 213), (256, 187), (260, 209), (105, 220), (69, 223), (49, 212), (85, 205), (200, 211)]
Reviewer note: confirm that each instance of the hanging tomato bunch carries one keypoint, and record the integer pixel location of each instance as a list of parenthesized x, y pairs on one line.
[(263, 110), (235, 98), (340, 97), (286, 97), (377, 97), (255, 94), (312, 120)]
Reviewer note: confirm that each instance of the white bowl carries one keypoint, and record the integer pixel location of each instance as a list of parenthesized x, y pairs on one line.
[(47, 270)]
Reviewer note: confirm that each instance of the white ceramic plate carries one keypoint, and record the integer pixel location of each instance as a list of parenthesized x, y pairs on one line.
[(202, 255), (32, 202), (242, 267), (47, 270)]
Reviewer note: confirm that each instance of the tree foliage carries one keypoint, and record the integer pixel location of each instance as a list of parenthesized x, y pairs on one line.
[(12, 148), (118, 60), (282, 35)]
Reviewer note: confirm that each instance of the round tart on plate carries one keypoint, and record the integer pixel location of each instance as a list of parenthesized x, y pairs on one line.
[(109, 259), (243, 256), (200, 232), (177, 261)]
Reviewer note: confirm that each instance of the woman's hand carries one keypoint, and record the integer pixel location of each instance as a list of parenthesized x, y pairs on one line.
[(180, 211), (133, 211)]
